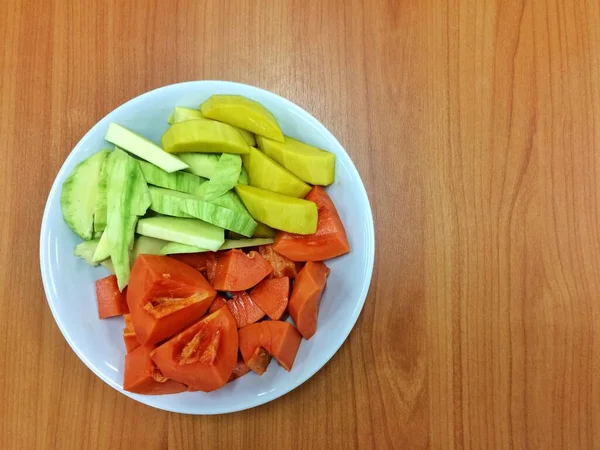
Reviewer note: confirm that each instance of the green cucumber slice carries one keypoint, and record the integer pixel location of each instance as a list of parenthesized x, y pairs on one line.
[(177, 204), (145, 245), (201, 164), (172, 248), (127, 198), (184, 231), (143, 148), (243, 179), (177, 181), (100, 207), (78, 196), (224, 177), (86, 249)]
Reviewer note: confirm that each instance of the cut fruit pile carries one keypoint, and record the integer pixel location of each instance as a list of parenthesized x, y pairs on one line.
[(212, 243)]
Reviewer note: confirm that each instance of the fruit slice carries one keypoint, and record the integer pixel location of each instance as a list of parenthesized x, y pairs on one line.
[(284, 213), (240, 369), (184, 231), (217, 303), (311, 164), (85, 250), (279, 339), (178, 204), (272, 296), (143, 377), (181, 114), (143, 148), (229, 200), (243, 179), (144, 245), (165, 296), (131, 342), (244, 309), (102, 251), (173, 248), (202, 356), (100, 208), (265, 173), (237, 271), (243, 113), (199, 261), (259, 361), (111, 301), (78, 196), (329, 241), (261, 231), (243, 243), (201, 164), (282, 266), (178, 181), (141, 245), (203, 136), (306, 296), (127, 198), (224, 177)]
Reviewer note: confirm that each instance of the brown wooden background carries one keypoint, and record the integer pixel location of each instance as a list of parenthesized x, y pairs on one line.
[(475, 125)]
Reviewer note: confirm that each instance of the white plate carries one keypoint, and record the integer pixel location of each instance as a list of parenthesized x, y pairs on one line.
[(69, 282)]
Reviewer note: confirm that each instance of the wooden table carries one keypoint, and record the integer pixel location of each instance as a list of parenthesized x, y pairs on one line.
[(476, 128)]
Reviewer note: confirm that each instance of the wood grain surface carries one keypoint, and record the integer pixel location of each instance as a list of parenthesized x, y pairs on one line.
[(475, 125)]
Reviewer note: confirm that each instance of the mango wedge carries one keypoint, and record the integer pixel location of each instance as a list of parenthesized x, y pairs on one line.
[(265, 173), (243, 113), (310, 164), (284, 213), (203, 136), (182, 114)]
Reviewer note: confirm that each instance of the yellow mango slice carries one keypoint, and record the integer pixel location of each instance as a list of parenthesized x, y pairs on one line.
[(281, 212), (265, 173), (181, 114), (243, 113), (203, 136), (310, 164)]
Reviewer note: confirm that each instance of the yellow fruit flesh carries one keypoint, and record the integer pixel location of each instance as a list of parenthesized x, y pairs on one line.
[(243, 113), (182, 114), (281, 212), (265, 173), (311, 164), (203, 136)]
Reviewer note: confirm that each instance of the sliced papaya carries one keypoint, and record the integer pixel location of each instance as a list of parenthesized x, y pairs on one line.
[(238, 271), (271, 296), (279, 339), (143, 377), (306, 297), (202, 356), (165, 296)]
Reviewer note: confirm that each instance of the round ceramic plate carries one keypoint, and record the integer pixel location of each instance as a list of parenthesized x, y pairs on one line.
[(69, 281)]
